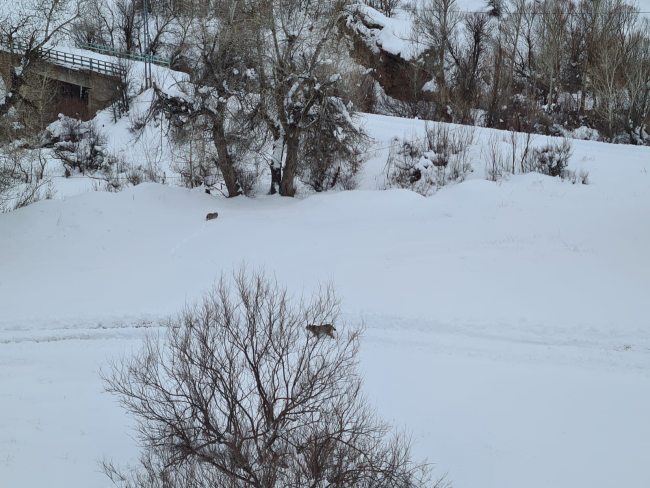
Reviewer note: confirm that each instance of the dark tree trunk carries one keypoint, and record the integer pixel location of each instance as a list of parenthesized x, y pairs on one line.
[(276, 179), (276, 165), (13, 96), (287, 186), (224, 161)]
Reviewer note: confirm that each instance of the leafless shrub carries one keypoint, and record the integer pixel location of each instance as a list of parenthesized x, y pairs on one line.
[(581, 176), (361, 88), (348, 181), (126, 89), (496, 165), (519, 157), (448, 149), (550, 159), (404, 169), (330, 155), (117, 174), (82, 146), (424, 165), (137, 174), (23, 177), (520, 151), (248, 176), (239, 394)]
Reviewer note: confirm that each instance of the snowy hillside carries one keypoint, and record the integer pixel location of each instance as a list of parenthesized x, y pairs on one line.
[(507, 323)]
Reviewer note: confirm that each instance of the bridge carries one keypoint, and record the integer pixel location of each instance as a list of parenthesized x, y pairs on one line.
[(93, 82)]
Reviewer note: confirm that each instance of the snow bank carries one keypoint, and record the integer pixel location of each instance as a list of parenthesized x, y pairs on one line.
[(507, 323)]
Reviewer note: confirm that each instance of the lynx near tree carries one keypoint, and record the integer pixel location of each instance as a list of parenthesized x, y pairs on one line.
[(321, 330), (204, 418)]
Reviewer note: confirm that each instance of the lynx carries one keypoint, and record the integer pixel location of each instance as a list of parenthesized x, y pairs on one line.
[(211, 216), (321, 330)]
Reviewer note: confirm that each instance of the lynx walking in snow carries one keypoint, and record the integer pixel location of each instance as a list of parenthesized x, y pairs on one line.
[(321, 330)]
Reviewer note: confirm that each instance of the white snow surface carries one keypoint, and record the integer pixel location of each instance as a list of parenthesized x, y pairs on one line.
[(507, 323)]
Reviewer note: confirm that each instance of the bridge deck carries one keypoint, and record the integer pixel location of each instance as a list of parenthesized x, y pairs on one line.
[(71, 60)]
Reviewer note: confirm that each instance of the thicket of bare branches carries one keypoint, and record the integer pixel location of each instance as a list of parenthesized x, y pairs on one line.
[(239, 394), (532, 66), (427, 164), (23, 177), (300, 56), (386, 7), (515, 153), (266, 78)]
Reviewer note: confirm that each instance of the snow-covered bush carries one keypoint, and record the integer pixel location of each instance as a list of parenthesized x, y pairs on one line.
[(550, 159), (248, 176), (331, 157), (426, 164), (23, 178), (496, 166), (574, 177), (515, 154), (81, 146)]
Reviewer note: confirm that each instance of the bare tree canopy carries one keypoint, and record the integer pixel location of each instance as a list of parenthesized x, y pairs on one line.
[(239, 394)]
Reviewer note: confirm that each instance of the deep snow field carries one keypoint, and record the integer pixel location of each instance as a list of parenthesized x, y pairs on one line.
[(508, 324)]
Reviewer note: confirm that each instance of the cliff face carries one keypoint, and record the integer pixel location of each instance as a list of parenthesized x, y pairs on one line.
[(400, 78)]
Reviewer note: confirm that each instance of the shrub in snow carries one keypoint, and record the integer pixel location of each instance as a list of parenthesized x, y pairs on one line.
[(581, 176), (82, 146), (332, 157), (424, 165), (23, 177), (518, 156), (238, 393), (496, 165), (248, 176), (550, 159)]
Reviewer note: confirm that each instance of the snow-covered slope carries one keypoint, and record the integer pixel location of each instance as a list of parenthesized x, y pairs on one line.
[(507, 323)]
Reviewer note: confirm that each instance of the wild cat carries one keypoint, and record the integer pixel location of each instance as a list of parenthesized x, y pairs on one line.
[(321, 330)]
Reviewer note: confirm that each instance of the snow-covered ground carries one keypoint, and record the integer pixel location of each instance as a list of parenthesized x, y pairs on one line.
[(507, 324)]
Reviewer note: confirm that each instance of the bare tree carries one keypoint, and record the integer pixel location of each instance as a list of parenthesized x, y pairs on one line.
[(605, 82), (297, 60), (551, 38), (214, 101), (240, 394), (637, 84), (471, 65), (435, 26)]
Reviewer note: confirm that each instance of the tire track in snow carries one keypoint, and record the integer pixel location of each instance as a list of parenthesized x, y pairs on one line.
[(81, 331)]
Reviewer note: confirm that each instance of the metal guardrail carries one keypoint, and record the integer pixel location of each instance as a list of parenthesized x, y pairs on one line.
[(122, 54), (70, 59), (83, 62)]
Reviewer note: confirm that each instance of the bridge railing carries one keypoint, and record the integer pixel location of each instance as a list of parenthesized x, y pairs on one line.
[(83, 62), (75, 60), (122, 54)]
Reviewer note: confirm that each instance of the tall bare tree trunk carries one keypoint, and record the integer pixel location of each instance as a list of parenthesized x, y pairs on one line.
[(224, 160), (287, 185), (276, 165)]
